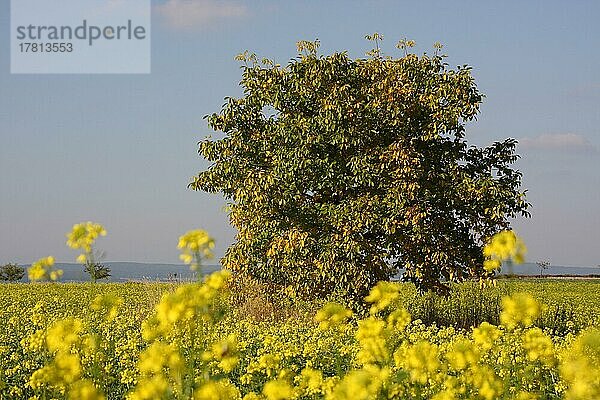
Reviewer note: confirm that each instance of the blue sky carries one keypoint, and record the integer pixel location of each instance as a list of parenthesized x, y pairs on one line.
[(120, 149)]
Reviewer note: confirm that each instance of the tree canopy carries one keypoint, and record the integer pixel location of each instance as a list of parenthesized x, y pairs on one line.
[(342, 172)]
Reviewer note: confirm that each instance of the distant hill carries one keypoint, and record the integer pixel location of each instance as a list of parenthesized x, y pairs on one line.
[(132, 271), (533, 269)]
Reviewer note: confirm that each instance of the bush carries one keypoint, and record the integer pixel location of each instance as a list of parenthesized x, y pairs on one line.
[(97, 271), (11, 273)]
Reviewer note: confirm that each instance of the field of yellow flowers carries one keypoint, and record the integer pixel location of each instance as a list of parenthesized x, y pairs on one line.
[(168, 341), (220, 338)]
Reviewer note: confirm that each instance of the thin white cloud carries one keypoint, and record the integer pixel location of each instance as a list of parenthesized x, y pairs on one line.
[(198, 14), (570, 142)]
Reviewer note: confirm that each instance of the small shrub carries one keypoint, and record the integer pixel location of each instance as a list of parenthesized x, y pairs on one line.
[(11, 273)]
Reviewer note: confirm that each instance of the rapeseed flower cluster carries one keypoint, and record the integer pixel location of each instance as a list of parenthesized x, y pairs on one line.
[(278, 389), (64, 373), (217, 390), (85, 390), (539, 346), (43, 270), (462, 354), (382, 296), (161, 367), (63, 334), (504, 246), (486, 335), (398, 319), (107, 306), (358, 385), (310, 381), (371, 336), (332, 315), (580, 366), (64, 370), (195, 246), (179, 311), (420, 360), (82, 237), (520, 309), (225, 352)]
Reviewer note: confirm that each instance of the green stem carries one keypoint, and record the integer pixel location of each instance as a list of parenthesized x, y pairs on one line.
[(199, 266)]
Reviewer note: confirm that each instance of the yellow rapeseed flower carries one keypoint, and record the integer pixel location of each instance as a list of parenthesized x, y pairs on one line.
[(184, 305), (519, 309), (268, 363), (195, 246), (462, 354), (217, 390), (362, 384), (226, 353), (150, 389), (485, 335), (580, 366), (253, 396), (158, 357), (420, 360), (43, 270), (84, 390), (398, 319), (332, 315), (61, 372), (382, 296), (487, 383), (217, 280), (107, 305), (63, 334), (503, 246), (310, 381), (278, 390), (539, 346), (371, 337), (83, 236)]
